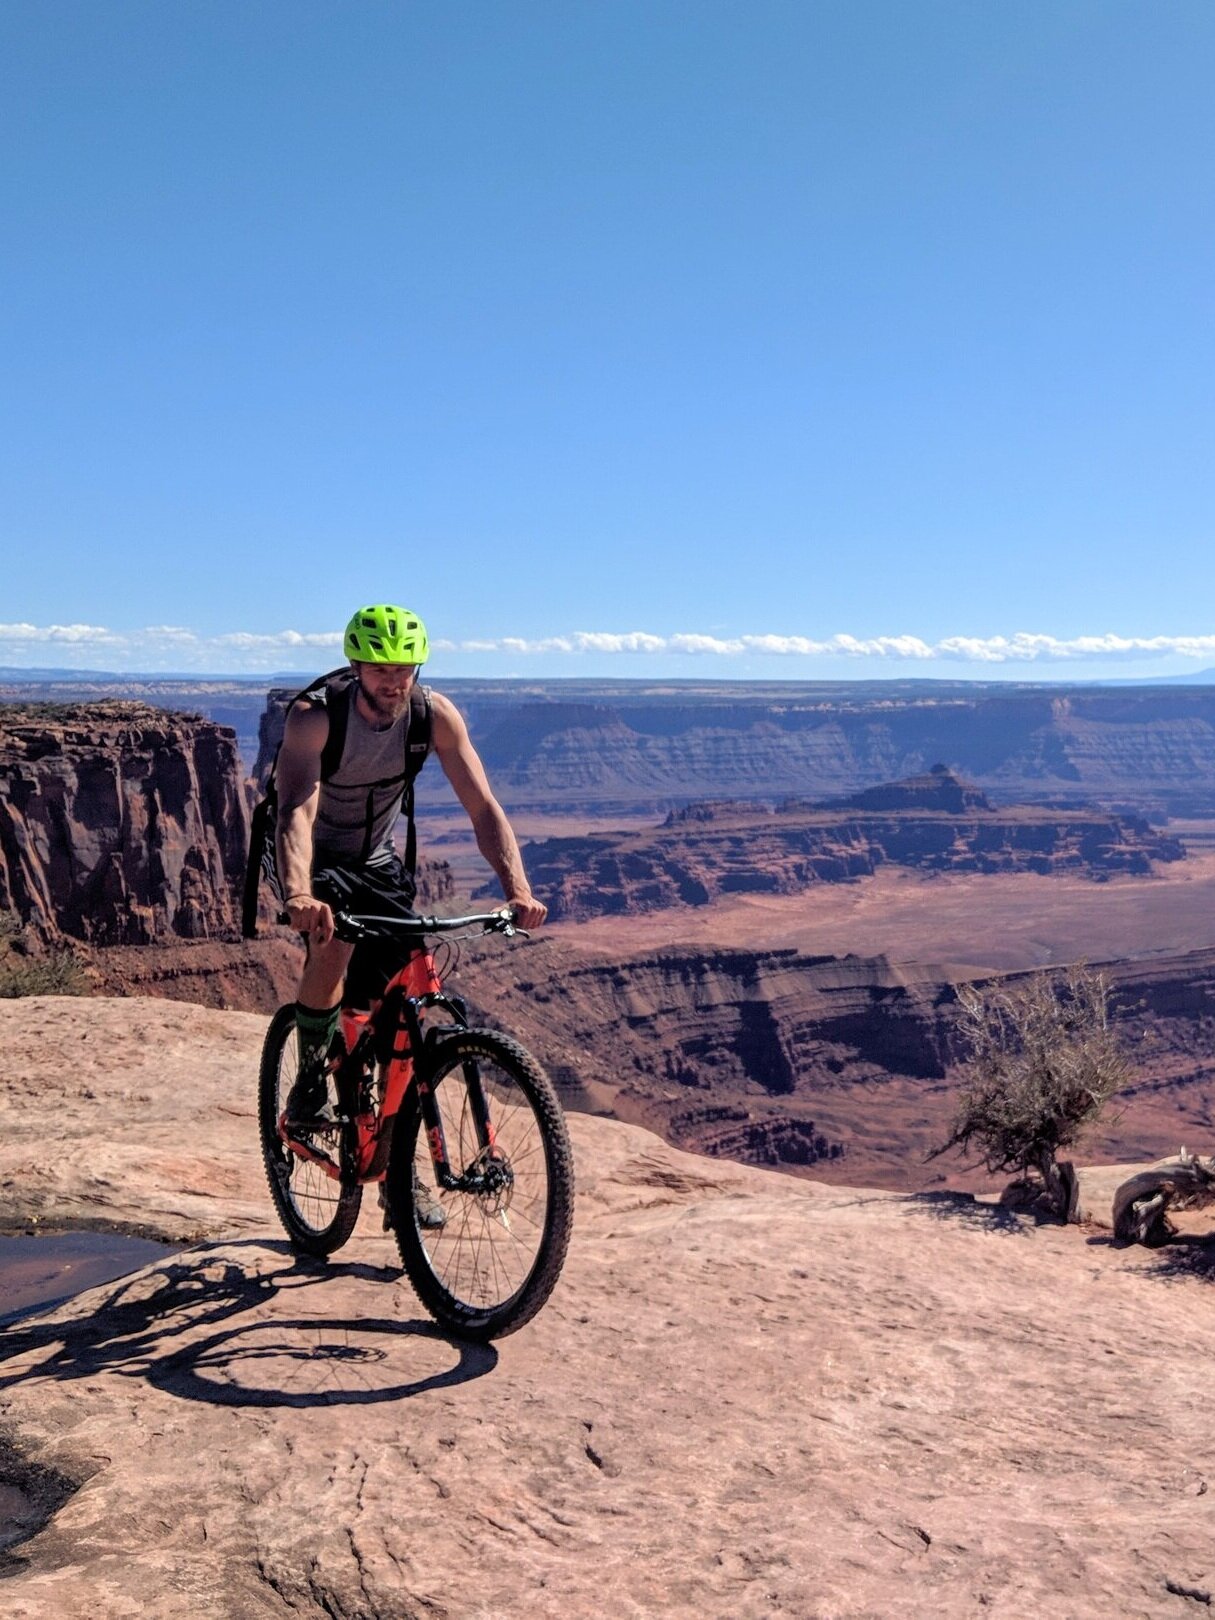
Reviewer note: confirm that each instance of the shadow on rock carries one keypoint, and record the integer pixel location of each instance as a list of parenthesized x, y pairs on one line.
[(1185, 1255), (200, 1327), (964, 1209)]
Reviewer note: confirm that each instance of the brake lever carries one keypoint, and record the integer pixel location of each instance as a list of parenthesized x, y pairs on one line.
[(347, 929), (509, 927)]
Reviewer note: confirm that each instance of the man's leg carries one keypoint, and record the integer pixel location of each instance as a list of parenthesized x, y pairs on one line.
[(316, 1021), (325, 973)]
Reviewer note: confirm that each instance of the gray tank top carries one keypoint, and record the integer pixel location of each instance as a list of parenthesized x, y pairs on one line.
[(361, 801)]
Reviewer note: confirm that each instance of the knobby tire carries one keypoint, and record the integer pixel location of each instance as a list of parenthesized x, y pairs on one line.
[(318, 1214), (485, 1248)]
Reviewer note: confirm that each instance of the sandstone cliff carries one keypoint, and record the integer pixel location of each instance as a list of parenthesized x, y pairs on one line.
[(933, 823), (120, 823), (616, 745)]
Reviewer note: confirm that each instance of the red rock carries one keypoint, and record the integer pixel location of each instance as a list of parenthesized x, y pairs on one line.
[(121, 824), (932, 823)]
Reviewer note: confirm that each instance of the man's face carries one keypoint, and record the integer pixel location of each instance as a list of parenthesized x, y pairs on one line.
[(386, 687)]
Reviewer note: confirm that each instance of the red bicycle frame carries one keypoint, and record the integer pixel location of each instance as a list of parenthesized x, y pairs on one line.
[(407, 994), (391, 1035)]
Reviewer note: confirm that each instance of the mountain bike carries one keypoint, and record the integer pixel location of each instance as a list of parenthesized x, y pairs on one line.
[(460, 1127)]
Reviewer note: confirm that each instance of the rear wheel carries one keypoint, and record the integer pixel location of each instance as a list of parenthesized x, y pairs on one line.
[(317, 1212), (495, 1259)]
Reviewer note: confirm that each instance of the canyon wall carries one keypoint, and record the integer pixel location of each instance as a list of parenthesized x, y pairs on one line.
[(932, 823), (612, 746), (607, 747), (121, 823), (1145, 747), (236, 703), (843, 1066)]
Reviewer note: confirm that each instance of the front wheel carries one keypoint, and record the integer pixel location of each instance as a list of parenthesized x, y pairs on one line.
[(493, 1259), (318, 1212)]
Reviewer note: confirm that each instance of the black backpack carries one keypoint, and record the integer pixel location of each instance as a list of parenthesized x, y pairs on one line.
[(335, 692)]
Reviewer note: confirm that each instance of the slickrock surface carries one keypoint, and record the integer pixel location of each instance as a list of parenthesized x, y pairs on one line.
[(749, 1396), (121, 824)]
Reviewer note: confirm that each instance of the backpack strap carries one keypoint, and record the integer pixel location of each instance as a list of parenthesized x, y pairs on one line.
[(261, 860), (417, 747), (339, 695), (334, 693), (261, 839)]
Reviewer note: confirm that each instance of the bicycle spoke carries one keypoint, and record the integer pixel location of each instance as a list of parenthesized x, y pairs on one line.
[(318, 1211), (488, 1266), (486, 1250)]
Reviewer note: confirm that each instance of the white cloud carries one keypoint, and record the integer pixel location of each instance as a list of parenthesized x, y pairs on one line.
[(179, 647), (633, 641), (72, 633), (171, 632), (1020, 648), (247, 640)]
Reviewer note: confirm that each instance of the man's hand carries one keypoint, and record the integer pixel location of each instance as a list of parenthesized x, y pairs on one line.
[(529, 913), (311, 917)]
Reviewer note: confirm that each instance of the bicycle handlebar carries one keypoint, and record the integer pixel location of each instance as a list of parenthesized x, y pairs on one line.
[(351, 928)]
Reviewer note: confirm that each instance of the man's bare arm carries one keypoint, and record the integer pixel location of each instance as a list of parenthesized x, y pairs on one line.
[(298, 778), (495, 836)]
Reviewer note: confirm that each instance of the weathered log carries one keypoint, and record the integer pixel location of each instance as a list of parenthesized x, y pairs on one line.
[(1141, 1203)]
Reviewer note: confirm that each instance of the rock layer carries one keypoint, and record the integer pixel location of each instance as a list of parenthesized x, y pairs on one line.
[(839, 1067), (933, 823), (608, 746), (120, 823)]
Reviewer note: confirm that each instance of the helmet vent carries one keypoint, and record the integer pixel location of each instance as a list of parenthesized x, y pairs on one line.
[(386, 634)]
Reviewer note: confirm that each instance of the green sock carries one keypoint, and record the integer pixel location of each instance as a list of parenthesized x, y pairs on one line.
[(316, 1027)]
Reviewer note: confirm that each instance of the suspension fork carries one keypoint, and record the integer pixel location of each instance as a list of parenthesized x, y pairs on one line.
[(433, 1119)]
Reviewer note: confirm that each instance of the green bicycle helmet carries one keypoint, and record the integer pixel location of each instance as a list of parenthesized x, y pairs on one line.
[(384, 634)]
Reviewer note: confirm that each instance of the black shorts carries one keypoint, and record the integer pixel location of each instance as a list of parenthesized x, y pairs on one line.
[(380, 887)]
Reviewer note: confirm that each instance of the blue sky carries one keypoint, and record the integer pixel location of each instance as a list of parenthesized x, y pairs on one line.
[(769, 339)]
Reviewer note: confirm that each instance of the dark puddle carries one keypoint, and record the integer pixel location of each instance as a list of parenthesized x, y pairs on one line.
[(39, 1270), (30, 1496)]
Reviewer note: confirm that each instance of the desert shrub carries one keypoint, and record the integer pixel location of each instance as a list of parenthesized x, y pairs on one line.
[(25, 972), (1043, 1063), (57, 974)]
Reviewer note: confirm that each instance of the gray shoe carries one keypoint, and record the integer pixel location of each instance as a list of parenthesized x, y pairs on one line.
[(428, 1211), (431, 1215)]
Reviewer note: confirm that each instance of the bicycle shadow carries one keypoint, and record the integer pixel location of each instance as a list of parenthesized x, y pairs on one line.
[(197, 1327)]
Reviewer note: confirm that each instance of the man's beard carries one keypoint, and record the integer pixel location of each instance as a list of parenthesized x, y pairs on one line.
[(386, 709)]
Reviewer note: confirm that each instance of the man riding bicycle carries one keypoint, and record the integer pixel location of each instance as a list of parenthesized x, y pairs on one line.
[(336, 817)]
